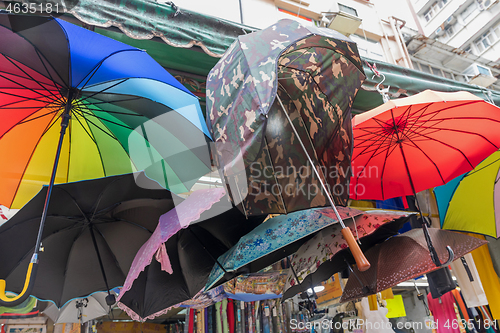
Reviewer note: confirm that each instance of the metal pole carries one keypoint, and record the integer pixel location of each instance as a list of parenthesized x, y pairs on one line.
[(432, 250), (64, 124), (33, 265), (327, 193), (358, 255)]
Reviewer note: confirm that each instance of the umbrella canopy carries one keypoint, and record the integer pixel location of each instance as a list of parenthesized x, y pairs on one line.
[(93, 228), (471, 202), (117, 115), (326, 253), (412, 260), (79, 310), (314, 74), (415, 143), (274, 240), (174, 264)]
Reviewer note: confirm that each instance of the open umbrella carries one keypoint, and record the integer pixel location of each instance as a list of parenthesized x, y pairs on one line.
[(117, 114), (174, 264), (279, 108), (415, 143), (470, 202), (326, 254), (93, 230), (412, 260), (274, 240), (80, 310)]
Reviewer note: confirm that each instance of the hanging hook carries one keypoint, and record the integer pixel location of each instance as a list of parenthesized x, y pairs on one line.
[(384, 92)]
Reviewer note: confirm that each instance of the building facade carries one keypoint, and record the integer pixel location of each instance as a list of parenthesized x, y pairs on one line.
[(455, 39)]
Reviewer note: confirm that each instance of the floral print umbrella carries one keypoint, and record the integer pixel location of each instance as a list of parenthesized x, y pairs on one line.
[(313, 262), (273, 240)]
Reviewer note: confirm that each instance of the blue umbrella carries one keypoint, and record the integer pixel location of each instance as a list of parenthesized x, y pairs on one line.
[(273, 240)]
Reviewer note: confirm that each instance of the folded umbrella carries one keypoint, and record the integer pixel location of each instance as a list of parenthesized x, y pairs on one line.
[(93, 230), (404, 257), (326, 253)]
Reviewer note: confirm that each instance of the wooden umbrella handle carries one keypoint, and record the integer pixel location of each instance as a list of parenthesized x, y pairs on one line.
[(358, 255)]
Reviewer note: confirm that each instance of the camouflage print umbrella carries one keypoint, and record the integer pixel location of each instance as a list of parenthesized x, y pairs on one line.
[(316, 73), (279, 107)]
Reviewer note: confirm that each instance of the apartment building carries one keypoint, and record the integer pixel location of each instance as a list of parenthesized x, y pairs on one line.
[(458, 39), (455, 39)]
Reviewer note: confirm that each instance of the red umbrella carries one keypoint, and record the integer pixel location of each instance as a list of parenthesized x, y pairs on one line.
[(411, 144), (415, 143)]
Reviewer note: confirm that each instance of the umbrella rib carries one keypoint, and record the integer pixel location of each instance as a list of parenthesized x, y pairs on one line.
[(97, 66), (445, 144), (456, 130), (38, 117), (48, 101), (48, 72), (107, 88), (427, 156), (124, 275), (274, 175), (42, 98), (29, 76), (76, 114), (481, 168), (451, 107), (22, 77), (129, 222), (304, 50), (89, 107), (31, 156), (113, 137), (389, 152), (82, 113), (311, 77)]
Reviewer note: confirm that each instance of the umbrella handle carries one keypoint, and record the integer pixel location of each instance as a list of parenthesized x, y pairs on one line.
[(358, 255), (28, 287)]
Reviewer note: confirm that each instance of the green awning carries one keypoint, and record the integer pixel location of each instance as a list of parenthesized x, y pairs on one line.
[(189, 44)]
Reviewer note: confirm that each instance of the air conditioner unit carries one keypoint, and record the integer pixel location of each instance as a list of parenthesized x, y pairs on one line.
[(449, 20), (480, 75), (486, 4), (439, 31)]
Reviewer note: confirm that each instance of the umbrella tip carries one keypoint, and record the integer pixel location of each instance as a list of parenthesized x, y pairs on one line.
[(110, 299)]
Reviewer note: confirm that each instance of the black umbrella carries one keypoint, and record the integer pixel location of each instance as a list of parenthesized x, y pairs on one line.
[(92, 233), (192, 253)]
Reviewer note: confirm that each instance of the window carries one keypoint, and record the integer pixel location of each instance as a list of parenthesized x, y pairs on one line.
[(368, 48), (467, 13), (435, 8), (436, 71), (486, 40), (347, 9), (468, 49), (448, 75), (449, 31), (425, 68)]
